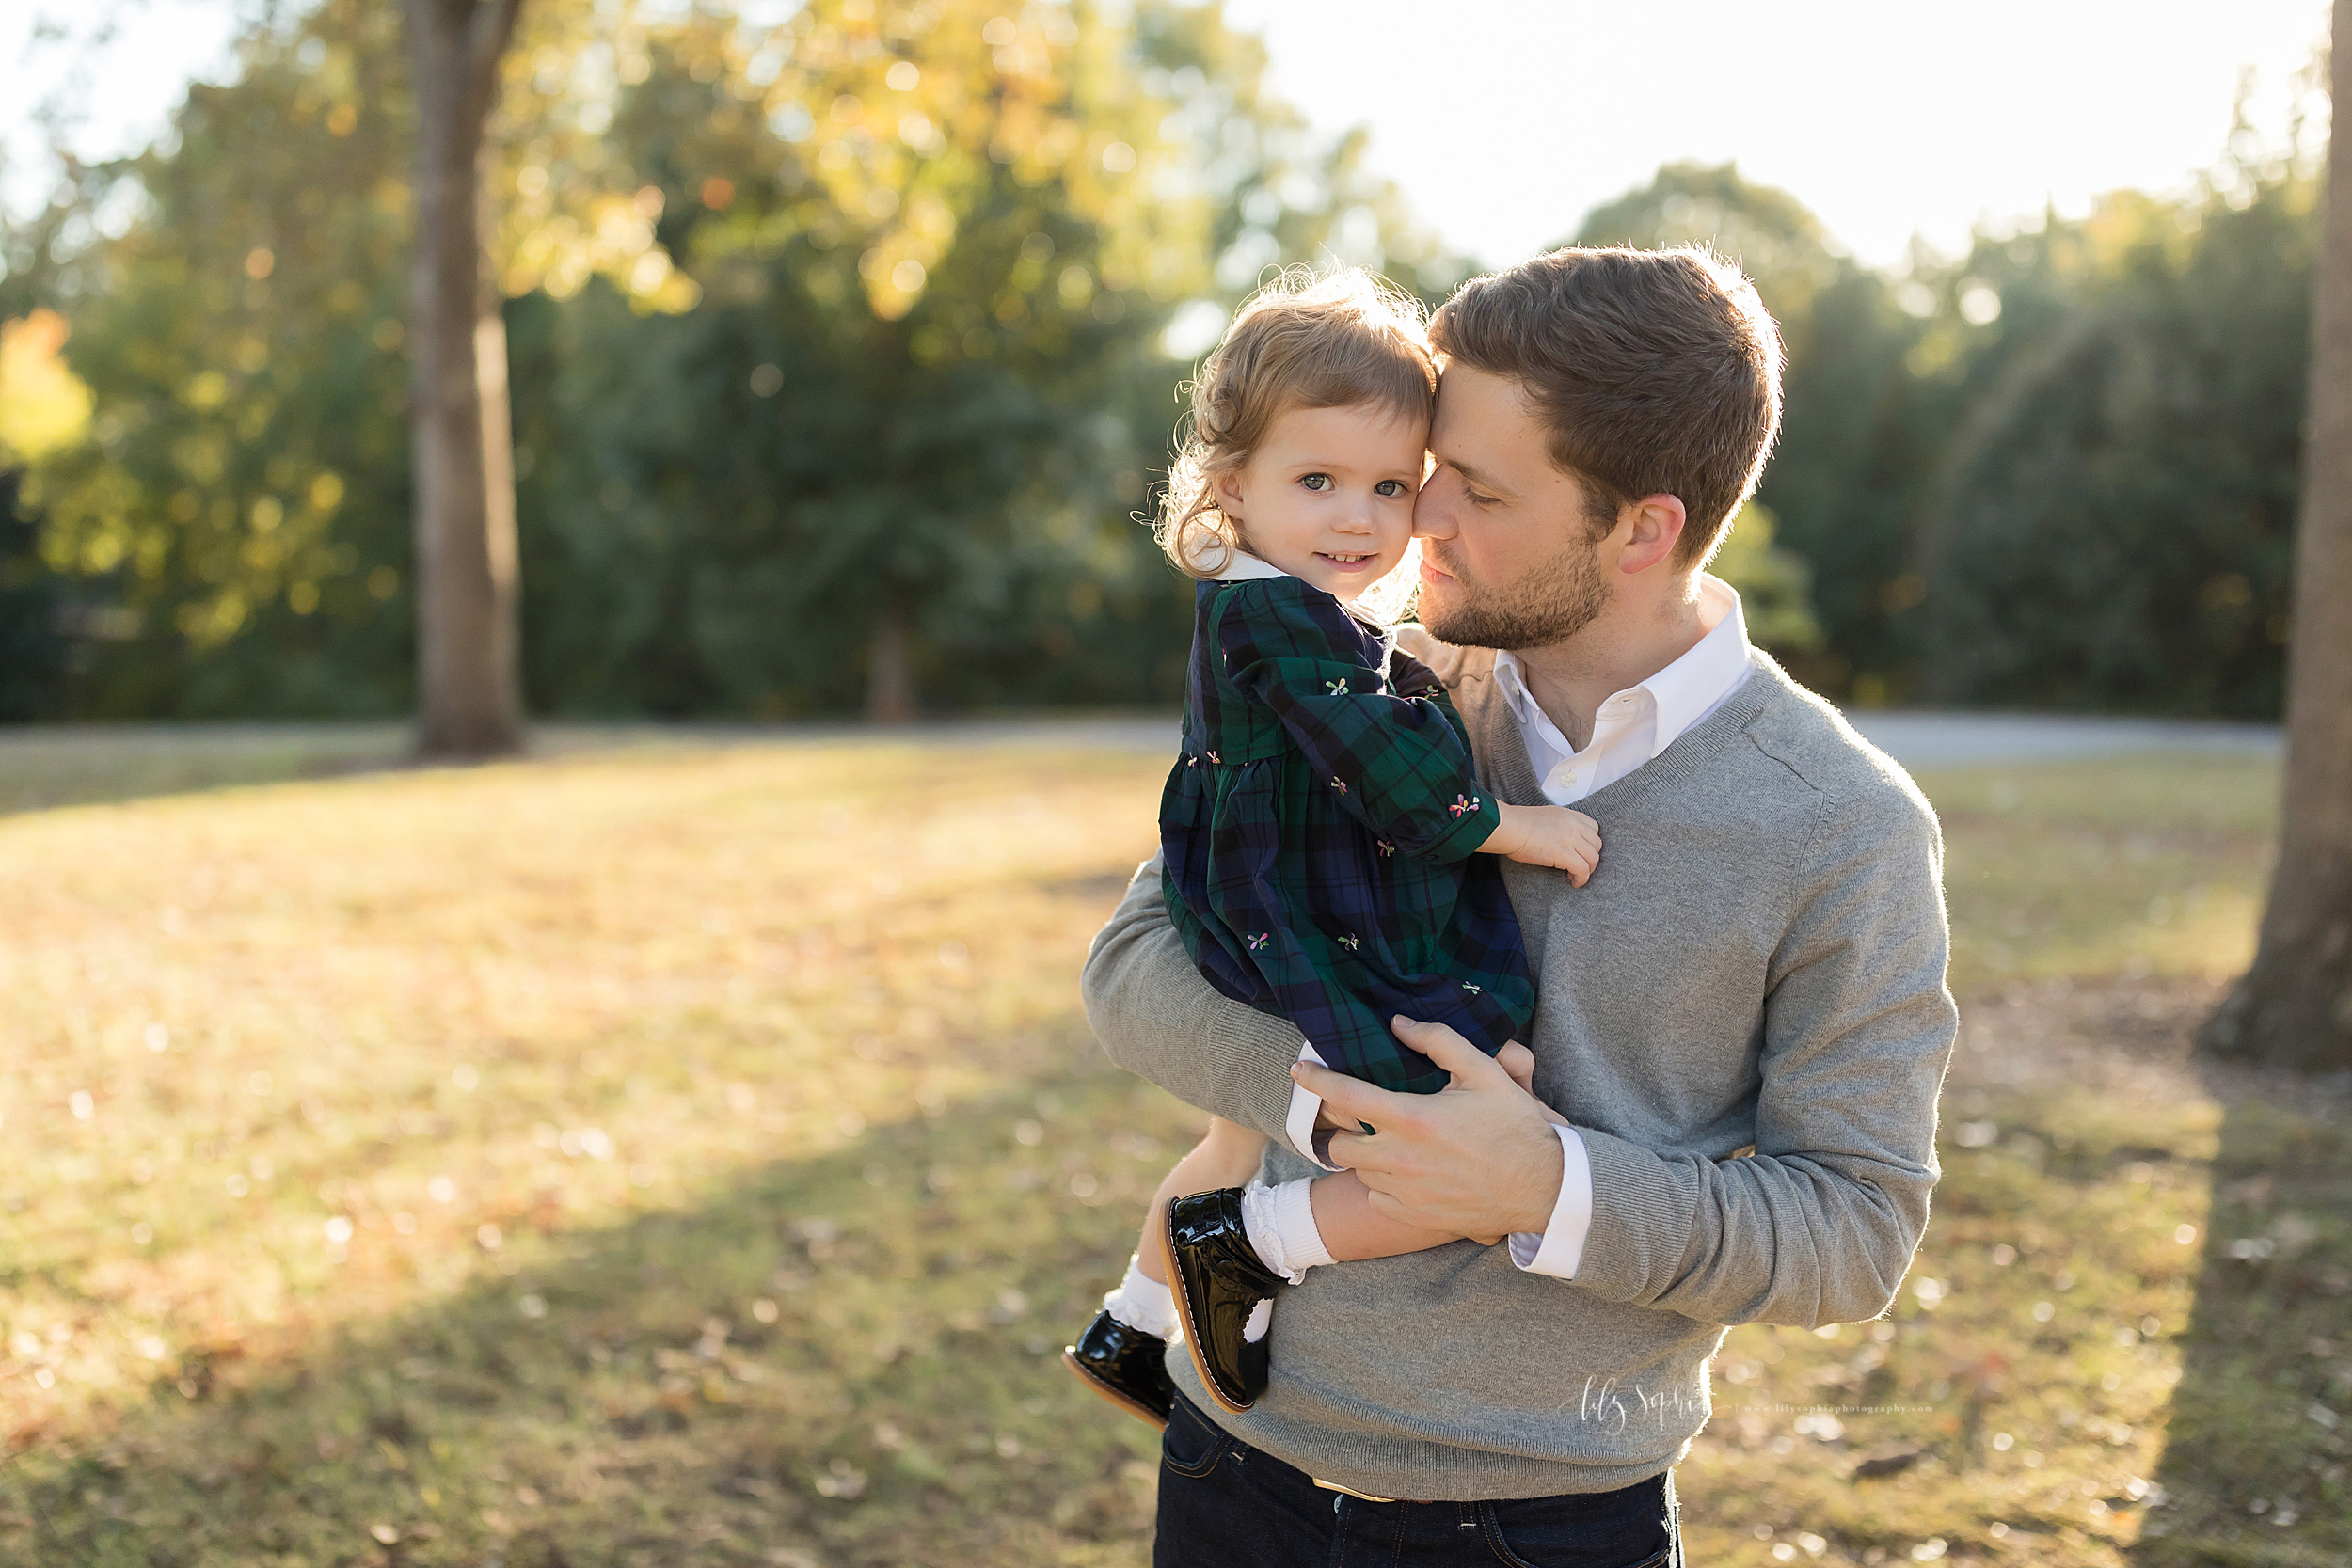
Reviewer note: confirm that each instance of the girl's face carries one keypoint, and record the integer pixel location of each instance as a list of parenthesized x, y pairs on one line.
[(1328, 495)]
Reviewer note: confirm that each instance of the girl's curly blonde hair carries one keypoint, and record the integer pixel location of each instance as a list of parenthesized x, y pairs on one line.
[(1340, 340)]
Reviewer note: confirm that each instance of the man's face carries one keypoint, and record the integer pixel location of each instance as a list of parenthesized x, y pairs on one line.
[(1510, 558)]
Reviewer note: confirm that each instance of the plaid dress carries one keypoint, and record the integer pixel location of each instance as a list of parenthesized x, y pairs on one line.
[(1318, 830)]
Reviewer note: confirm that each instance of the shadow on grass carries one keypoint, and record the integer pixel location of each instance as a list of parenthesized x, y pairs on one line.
[(2255, 1462), (44, 767), (840, 1360)]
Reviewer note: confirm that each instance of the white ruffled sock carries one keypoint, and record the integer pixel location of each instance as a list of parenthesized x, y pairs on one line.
[(1280, 1224), (1144, 1304)]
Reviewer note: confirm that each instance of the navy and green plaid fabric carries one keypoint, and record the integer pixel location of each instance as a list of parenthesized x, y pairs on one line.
[(1319, 830)]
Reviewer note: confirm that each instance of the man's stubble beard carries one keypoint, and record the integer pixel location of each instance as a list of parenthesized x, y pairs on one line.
[(1549, 604)]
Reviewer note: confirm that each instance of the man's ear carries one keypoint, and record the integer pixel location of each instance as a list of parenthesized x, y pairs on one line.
[(1652, 526), (1226, 487)]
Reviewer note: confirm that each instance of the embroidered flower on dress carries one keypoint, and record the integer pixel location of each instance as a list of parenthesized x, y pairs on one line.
[(1339, 784), (1351, 942), (1259, 940), (1338, 689), (1386, 848), (1211, 756), (1464, 805), (1473, 990)]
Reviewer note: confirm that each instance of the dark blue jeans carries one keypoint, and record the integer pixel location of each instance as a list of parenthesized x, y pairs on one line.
[(1224, 1504)]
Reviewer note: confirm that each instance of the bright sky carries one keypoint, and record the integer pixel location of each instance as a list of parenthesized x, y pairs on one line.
[(1505, 121)]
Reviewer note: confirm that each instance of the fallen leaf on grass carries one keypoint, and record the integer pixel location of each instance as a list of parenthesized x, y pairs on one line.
[(1894, 1462)]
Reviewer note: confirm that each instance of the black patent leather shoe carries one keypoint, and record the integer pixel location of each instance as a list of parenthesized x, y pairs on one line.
[(1218, 1280), (1126, 1366)]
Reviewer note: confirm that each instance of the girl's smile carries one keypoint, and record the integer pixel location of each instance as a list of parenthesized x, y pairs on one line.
[(1327, 495)]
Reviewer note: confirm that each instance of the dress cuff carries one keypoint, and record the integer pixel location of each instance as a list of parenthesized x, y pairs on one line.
[(1561, 1247), (1299, 1125), (1479, 816)]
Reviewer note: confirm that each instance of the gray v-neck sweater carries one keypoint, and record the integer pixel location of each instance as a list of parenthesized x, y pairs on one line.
[(1743, 1014)]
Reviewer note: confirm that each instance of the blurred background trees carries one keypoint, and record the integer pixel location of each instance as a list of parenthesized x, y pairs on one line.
[(843, 350)]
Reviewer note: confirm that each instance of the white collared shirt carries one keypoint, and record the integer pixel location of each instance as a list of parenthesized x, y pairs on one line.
[(1632, 727), (1637, 723), (1240, 566)]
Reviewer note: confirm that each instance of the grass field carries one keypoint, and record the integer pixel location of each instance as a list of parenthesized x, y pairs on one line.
[(671, 1153)]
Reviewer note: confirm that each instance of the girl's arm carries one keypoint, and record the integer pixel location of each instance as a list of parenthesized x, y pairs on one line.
[(1539, 835), (1396, 763)]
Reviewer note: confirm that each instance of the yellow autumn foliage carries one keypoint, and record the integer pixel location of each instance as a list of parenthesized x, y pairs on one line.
[(43, 406)]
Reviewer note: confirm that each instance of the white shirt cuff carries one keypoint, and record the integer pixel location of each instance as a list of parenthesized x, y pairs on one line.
[(1299, 1126), (1561, 1247)]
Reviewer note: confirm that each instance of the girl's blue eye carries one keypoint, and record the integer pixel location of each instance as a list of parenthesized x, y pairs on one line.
[(1317, 482)]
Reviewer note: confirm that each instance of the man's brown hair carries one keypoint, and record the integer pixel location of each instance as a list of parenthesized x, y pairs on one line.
[(1656, 371)]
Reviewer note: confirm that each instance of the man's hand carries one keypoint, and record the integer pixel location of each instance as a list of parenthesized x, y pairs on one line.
[(1478, 1159)]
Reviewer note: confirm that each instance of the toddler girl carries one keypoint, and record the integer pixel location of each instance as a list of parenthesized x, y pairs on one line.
[(1323, 826)]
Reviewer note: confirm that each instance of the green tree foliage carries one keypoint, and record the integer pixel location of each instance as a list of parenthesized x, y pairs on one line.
[(42, 407), (2060, 472), (1776, 585), (843, 352), (898, 416), (244, 487), (2115, 519), (834, 343), (917, 410), (33, 649)]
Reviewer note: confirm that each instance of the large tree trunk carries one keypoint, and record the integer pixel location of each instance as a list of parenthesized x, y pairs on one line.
[(889, 675), (469, 680), (2294, 1008)]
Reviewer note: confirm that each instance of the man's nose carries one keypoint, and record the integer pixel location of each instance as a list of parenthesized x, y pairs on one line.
[(1432, 518)]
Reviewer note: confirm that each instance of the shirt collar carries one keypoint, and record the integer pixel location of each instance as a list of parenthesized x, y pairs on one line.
[(1683, 692), (1695, 684), (1240, 565)]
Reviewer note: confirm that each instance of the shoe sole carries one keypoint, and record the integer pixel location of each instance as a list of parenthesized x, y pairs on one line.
[(1104, 1390), (1192, 1325)]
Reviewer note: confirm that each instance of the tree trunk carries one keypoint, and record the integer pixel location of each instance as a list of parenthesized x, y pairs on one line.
[(889, 680), (469, 680), (2294, 1008)]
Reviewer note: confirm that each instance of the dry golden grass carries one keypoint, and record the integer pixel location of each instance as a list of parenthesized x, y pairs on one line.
[(649, 1144), (696, 1154)]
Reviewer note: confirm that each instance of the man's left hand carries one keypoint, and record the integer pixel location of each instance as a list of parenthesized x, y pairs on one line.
[(1477, 1159)]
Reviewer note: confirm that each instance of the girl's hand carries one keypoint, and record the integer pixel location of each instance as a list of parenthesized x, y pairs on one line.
[(1519, 1062), (1548, 835)]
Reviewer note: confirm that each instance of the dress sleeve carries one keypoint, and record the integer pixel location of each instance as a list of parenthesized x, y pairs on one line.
[(1410, 677), (1397, 764)]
